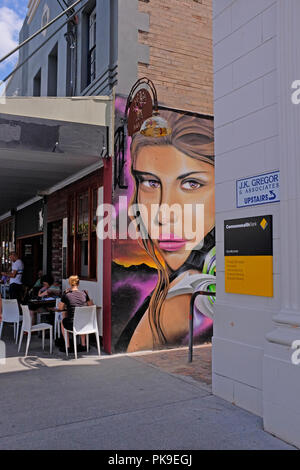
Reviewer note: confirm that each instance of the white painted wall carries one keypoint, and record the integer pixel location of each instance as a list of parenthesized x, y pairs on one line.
[(246, 144), (281, 378)]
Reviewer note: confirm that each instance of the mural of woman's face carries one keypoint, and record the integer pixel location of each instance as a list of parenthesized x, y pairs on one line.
[(166, 177)]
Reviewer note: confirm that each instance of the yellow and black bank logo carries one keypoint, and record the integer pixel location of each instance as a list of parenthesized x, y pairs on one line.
[(248, 251), (263, 224)]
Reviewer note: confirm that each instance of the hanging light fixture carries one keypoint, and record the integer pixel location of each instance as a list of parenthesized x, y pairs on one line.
[(144, 115), (155, 126)]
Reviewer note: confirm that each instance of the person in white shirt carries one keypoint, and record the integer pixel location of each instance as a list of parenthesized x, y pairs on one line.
[(15, 276)]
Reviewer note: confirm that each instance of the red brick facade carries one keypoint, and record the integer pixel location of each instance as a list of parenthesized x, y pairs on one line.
[(181, 60)]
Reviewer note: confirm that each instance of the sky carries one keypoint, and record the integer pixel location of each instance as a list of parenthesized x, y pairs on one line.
[(12, 15)]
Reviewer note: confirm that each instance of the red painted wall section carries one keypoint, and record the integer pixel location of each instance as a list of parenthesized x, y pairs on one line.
[(107, 257)]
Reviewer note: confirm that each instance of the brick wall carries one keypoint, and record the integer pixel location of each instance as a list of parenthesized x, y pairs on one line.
[(56, 249), (180, 42)]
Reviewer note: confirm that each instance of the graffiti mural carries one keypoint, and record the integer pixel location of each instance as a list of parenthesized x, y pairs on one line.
[(155, 273)]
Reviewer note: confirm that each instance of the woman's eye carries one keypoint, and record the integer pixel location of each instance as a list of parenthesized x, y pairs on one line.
[(153, 184), (191, 184)]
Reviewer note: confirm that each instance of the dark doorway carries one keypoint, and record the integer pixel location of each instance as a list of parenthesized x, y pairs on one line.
[(37, 84), (31, 253)]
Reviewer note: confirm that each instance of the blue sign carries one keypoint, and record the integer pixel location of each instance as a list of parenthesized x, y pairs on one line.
[(260, 189)]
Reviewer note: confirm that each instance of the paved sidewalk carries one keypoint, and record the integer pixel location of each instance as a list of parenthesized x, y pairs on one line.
[(123, 402), (175, 361)]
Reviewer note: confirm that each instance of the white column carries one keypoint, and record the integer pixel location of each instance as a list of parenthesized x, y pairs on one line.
[(281, 379)]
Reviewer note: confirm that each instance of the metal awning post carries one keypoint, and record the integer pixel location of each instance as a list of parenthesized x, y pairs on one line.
[(191, 319)]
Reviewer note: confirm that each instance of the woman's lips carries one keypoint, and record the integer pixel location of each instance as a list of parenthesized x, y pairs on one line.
[(171, 243)]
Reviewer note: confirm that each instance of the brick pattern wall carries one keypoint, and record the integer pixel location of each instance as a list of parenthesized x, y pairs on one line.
[(56, 249), (180, 42)]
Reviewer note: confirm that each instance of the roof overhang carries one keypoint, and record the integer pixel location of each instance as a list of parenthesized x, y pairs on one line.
[(44, 141), (92, 110)]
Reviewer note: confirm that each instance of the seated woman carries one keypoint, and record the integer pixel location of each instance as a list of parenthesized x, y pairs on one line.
[(46, 282), (38, 283), (71, 298), (54, 290)]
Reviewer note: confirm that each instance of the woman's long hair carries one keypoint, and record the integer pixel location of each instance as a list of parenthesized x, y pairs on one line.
[(194, 137)]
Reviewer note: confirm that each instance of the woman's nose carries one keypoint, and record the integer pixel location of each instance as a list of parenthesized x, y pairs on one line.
[(168, 214), (168, 211)]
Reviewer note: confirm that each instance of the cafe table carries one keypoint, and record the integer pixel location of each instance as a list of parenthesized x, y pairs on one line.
[(44, 303)]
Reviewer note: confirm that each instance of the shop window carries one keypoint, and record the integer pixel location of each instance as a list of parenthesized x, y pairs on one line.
[(83, 234), (93, 250), (82, 240), (6, 243), (71, 240)]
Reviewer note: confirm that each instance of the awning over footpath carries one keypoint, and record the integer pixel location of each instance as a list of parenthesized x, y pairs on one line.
[(46, 140)]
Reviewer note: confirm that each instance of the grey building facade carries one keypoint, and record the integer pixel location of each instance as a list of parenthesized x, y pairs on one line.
[(91, 54)]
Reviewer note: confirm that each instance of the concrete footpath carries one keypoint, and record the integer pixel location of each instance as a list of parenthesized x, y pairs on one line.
[(118, 402)]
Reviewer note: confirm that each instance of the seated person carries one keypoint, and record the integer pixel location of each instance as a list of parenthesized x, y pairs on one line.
[(38, 282), (54, 290), (46, 282), (71, 298), (4, 279), (43, 292), (37, 285)]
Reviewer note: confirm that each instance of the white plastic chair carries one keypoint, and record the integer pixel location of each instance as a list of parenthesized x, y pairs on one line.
[(27, 326), (57, 320), (11, 314), (85, 323)]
